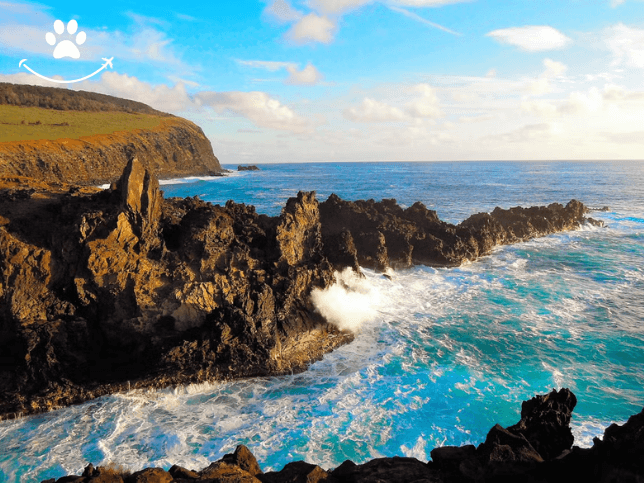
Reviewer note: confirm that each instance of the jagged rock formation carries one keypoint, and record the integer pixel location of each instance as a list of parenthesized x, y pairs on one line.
[(539, 448), (250, 167), (383, 234), (175, 148), (121, 288), (102, 291)]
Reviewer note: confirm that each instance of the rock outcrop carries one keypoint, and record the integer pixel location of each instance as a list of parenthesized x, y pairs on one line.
[(382, 234), (104, 291), (174, 148), (250, 167), (538, 449), (120, 289)]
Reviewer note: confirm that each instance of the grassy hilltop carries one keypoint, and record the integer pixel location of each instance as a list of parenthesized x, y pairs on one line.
[(61, 135), (30, 123)]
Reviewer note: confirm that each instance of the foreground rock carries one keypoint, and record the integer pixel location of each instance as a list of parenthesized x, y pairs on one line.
[(105, 291), (173, 149), (539, 448), (122, 289)]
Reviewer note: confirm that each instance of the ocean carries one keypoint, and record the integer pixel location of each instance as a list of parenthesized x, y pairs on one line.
[(440, 355)]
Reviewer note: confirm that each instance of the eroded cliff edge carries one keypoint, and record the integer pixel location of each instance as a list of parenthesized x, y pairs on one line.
[(103, 291), (174, 148)]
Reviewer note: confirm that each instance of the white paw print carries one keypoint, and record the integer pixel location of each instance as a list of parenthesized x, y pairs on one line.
[(66, 48)]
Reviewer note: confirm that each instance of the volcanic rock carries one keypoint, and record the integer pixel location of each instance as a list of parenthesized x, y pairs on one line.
[(111, 290), (505, 456), (381, 234)]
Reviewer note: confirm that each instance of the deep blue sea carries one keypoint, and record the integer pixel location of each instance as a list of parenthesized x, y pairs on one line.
[(440, 355)]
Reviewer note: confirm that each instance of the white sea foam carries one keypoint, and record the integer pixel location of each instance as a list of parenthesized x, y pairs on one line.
[(349, 302)]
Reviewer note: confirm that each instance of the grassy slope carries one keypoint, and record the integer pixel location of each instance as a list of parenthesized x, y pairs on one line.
[(30, 123)]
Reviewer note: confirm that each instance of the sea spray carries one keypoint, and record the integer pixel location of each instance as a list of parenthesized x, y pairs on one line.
[(349, 302)]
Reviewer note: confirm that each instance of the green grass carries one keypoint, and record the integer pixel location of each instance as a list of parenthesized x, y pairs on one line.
[(29, 123)]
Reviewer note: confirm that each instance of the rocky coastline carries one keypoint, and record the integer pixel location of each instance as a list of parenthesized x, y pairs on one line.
[(538, 448), (102, 291)]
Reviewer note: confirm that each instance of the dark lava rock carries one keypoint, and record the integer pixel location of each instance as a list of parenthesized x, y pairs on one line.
[(507, 455), (123, 289), (298, 472), (382, 234), (401, 470), (106, 291), (251, 167), (545, 422)]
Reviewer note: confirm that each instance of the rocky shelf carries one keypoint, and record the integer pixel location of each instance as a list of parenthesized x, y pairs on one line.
[(539, 448), (103, 291)]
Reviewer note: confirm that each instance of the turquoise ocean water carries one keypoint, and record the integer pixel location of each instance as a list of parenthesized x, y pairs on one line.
[(441, 355)]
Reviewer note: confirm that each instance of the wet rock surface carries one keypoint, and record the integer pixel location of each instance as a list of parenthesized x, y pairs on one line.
[(507, 455), (105, 291)]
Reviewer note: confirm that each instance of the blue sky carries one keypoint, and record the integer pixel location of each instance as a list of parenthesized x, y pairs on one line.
[(360, 80)]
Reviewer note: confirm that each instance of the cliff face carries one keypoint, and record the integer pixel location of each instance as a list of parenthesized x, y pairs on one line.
[(175, 148)]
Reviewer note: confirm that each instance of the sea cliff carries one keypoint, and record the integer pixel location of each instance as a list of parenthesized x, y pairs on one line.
[(173, 147)]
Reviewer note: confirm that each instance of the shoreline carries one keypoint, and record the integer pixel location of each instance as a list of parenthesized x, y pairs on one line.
[(539, 448), (180, 291)]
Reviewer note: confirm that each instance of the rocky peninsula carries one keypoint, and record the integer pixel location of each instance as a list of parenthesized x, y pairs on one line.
[(538, 448), (108, 290)]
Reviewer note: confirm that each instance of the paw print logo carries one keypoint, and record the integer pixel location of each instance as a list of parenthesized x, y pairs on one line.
[(66, 48)]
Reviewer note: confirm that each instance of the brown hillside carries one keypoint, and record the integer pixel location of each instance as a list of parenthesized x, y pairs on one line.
[(174, 148)]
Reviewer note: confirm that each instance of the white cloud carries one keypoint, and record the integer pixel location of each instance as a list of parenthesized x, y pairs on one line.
[(627, 45), (422, 20), (282, 11), (427, 105), (258, 107), (615, 3), (269, 65), (533, 38), (162, 97), (28, 79), (428, 3), (543, 84), (309, 75), (312, 28), (529, 133), (334, 7), (373, 111)]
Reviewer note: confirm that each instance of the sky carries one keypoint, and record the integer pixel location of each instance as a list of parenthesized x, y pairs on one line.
[(356, 80)]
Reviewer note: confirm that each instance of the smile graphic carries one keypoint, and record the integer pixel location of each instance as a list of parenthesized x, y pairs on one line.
[(104, 66)]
